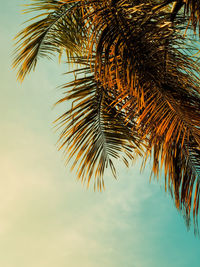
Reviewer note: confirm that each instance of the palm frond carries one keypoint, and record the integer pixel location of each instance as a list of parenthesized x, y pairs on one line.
[(132, 58), (94, 132), (137, 86), (60, 28), (192, 9), (174, 142), (189, 8)]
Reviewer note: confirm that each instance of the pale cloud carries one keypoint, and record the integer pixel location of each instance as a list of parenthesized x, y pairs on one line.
[(50, 216)]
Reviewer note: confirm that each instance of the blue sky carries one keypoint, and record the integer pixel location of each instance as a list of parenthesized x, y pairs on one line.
[(49, 219)]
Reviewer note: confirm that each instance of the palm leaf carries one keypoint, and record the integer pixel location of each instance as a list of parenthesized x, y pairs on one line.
[(137, 86), (192, 9), (93, 133), (131, 58), (189, 8), (61, 28)]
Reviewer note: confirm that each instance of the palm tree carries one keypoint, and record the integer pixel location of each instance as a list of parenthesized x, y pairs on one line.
[(136, 89)]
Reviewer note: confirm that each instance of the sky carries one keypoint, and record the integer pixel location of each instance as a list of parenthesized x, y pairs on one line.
[(47, 218)]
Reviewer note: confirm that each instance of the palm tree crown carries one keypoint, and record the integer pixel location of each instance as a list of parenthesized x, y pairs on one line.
[(136, 89)]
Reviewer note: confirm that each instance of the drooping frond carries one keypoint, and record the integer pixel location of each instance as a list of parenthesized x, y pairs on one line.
[(132, 57), (94, 132), (61, 28), (174, 142), (137, 85)]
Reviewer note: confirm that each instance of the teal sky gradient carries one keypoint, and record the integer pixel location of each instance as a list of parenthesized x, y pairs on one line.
[(49, 219)]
